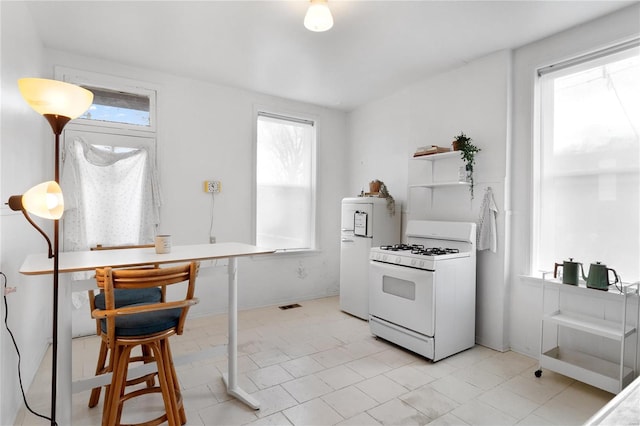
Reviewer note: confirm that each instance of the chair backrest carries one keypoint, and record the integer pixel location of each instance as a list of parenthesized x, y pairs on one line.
[(92, 295), (109, 279)]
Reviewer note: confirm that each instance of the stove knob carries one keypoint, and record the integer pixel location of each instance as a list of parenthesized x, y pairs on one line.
[(413, 262), (398, 259), (422, 263), (384, 257)]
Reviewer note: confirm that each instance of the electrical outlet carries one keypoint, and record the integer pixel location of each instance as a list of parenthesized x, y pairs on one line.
[(212, 239), (214, 186)]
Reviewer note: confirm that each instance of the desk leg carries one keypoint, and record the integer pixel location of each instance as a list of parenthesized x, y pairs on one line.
[(63, 393), (230, 379)]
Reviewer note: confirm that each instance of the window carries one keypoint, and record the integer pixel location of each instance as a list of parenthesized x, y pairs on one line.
[(112, 106), (285, 183), (587, 162), (118, 103), (109, 164)]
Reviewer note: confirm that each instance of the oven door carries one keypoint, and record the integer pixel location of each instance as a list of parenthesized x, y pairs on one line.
[(403, 296)]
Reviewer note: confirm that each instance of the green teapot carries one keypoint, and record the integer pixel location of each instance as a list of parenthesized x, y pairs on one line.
[(570, 271), (599, 276)]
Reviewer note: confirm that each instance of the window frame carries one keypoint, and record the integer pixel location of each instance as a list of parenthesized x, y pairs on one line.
[(273, 112), (146, 135), (540, 114), (102, 81)]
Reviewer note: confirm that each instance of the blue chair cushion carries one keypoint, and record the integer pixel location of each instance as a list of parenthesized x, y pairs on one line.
[(125, 297), (144, 323)]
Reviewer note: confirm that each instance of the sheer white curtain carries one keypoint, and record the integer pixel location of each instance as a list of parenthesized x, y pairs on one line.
[(111, 195)]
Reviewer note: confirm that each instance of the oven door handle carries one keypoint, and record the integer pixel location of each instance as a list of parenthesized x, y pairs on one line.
[(347, 240)]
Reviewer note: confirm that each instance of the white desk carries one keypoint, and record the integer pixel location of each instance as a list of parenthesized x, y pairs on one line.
[(39, 264)]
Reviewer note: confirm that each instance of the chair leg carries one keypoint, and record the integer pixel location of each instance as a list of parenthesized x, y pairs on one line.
[(147, 354), (113, 409), (126, 354), (108, 396), (166, 383), (107, 389), (176, 386), (100, 369)]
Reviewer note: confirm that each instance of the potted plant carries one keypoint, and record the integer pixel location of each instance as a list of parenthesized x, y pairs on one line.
[(459, 141), (468, 152), (383, 192)]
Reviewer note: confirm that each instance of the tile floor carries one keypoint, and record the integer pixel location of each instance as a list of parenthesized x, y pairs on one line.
[(316, 365)]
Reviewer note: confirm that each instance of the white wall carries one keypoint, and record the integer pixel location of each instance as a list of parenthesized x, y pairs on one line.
[(205, 132), (384, 134), (600, 33), (26, 158)]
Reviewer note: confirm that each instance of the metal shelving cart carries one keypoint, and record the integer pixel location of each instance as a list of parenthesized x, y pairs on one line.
[(610, 322)]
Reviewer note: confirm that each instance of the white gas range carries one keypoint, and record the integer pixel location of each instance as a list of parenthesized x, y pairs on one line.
[(422, 293)]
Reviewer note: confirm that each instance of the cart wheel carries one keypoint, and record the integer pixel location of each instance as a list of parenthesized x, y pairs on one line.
[(538, 373)]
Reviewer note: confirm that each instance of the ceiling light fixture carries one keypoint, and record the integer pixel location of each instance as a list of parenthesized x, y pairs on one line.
[(318, 17)]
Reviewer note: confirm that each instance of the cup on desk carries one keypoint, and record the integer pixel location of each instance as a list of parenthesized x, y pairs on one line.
[(163, 244)]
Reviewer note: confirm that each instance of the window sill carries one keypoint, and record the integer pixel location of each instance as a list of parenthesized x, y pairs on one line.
[(532, 280), (297, 251), (535, 279), (287, 253)]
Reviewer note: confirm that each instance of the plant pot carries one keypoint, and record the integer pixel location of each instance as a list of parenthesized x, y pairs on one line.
[(374, 186), (457, 146)]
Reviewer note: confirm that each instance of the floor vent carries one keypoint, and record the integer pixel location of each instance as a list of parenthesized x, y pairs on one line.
[(295, 305)]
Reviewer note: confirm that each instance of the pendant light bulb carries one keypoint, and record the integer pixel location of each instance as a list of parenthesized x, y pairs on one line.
[(318, 17)]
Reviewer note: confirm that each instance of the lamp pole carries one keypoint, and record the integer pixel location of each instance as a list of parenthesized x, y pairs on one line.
[(57, 123)]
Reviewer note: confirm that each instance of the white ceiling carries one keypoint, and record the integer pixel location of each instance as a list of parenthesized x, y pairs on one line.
[(374, 49)]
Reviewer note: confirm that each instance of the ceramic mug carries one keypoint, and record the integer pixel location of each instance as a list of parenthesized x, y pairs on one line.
[(163, 244)]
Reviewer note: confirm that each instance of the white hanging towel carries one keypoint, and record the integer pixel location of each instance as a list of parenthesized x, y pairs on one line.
[(487, 238)]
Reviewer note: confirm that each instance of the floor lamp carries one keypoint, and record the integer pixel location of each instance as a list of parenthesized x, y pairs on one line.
[(59, 103)]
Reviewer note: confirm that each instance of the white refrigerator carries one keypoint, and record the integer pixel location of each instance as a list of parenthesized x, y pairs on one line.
[(366, 222)]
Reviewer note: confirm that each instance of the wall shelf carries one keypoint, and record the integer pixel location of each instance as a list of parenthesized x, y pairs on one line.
[(439, 184), (438, 156)]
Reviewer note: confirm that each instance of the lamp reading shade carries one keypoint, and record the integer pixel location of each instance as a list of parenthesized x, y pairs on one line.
[(318, 17), (52, 97), (44, 200)]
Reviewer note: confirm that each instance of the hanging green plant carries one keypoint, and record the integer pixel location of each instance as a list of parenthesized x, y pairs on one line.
[(468, 153)]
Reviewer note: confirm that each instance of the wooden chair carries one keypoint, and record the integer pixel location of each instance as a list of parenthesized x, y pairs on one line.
[(125, 328), (96, 301)]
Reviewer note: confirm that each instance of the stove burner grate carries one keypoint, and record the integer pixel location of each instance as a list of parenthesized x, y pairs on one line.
[(402, 247), (436, 251), (419, 249)]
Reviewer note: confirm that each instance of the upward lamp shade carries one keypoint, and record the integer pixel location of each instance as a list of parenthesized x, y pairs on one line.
[(55, 97), (44, 200)]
